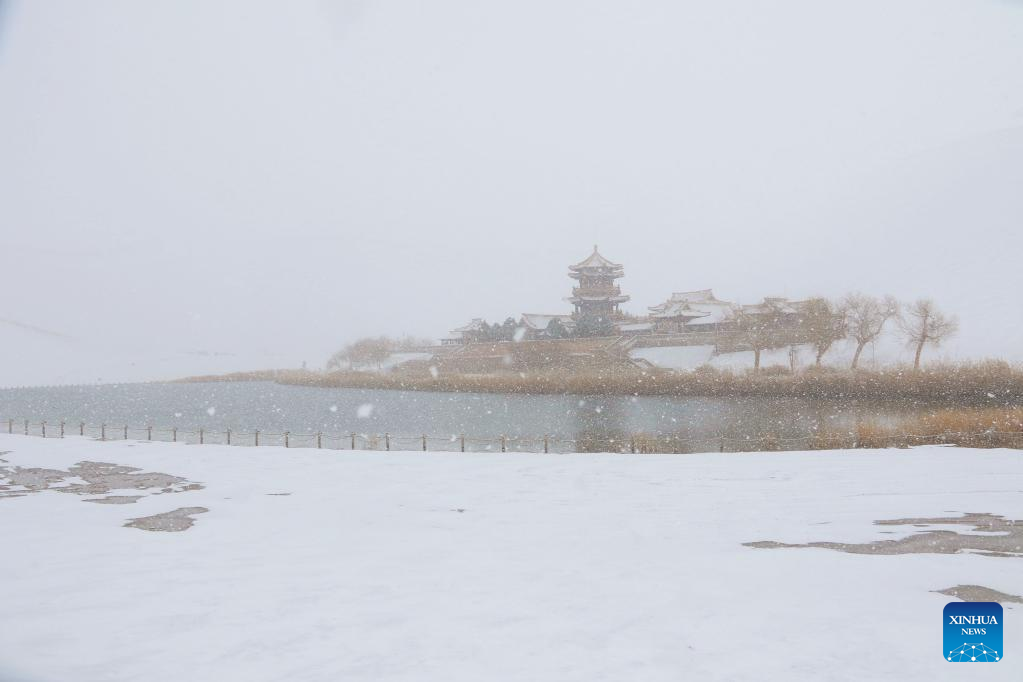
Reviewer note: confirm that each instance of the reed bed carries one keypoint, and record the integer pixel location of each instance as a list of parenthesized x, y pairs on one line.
[(980, 384)]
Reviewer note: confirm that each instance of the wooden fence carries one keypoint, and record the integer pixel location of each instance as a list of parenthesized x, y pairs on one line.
[(591, 443)]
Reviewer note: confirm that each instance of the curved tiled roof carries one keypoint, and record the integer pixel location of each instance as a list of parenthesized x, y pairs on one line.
[(595, 260)]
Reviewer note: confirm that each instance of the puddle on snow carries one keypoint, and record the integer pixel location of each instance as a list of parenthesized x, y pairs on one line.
[(992, 535)]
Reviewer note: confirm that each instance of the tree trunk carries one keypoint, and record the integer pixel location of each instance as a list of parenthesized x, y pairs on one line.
[(756, 359), (860, 345), (919, 350), (820, 354)]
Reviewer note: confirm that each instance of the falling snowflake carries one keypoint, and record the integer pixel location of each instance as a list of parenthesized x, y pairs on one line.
[(364, 411), (333, 408), (211, 410)]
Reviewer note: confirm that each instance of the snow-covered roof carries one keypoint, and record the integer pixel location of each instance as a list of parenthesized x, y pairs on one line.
[(677, 309), (702, 299), (474, 326), (775, 305), (716, 313), (614, 299), (698, 296), (539, 322), (595, 260)]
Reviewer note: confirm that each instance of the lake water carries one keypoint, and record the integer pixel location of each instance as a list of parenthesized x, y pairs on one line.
[(569, 422)]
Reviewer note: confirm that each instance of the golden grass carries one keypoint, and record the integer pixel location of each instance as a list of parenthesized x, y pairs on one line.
[(969, 427), (984, 384)]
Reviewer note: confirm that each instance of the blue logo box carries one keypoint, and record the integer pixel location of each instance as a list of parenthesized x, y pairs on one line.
[(973, 632)]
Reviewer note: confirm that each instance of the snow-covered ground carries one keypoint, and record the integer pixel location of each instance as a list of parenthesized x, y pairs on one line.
[(323, 565)]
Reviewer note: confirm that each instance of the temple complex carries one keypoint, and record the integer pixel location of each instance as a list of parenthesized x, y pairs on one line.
[(687, 317)]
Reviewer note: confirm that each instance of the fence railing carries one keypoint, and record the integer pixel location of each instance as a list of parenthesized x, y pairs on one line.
[(592, 443)]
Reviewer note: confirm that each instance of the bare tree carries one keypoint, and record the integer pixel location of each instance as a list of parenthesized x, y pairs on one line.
[(340, 359), (756, 329), (922, 323), (411, 343), (823, 323), (865, 317), (368, 351)]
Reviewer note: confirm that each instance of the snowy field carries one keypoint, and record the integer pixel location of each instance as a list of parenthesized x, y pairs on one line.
[(313, 565), (888, 351)]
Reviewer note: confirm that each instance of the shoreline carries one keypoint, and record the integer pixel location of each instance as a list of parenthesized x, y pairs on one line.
[(980, 385)]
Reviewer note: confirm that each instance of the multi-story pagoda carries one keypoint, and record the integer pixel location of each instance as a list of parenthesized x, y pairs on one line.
[(597, 297)]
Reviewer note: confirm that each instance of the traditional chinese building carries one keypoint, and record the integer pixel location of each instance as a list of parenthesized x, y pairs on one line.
[(692, 311), (596, 298)]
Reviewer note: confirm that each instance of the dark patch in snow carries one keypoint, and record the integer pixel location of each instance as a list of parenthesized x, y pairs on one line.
[(980, 593), (115, 499), (167, 522), (993, 536), (88, 478)]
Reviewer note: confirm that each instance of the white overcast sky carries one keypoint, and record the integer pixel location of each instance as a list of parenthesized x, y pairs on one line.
[(279, 178)]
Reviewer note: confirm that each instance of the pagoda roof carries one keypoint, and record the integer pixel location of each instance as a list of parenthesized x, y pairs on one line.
[(614, 298), (595, 260)]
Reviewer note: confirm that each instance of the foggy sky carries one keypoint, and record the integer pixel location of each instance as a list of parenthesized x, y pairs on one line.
[(273, 180)]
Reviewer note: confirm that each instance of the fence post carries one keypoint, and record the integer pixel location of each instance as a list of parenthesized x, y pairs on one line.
[(81, 428), (463, 442), (632, 445), (201, 436), (61, 428), (126, 432), (286, 438), (545, 445), (257, 438), (424, 442), (722, 447), (387, 441), (174, 434), (319, 440), (353, 440), (504, 445), (43, 425), (149, 432), (26, 427), (228, 435), (10, 426)]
